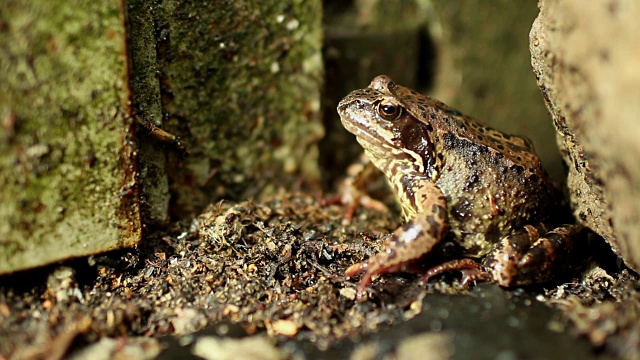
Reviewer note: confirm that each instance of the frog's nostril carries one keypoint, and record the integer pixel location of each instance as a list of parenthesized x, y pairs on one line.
[(342, 106)]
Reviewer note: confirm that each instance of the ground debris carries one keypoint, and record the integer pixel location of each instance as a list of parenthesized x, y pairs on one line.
[(603, 308), (272, 269)]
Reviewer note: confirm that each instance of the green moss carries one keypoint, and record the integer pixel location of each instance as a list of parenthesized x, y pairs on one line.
[(63, 162), (240, 83)]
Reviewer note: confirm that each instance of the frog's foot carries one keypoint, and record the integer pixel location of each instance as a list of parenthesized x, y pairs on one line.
[(532, 255), (352, 191), (371, 267), (407, 244), (352, 198), (471, 271)]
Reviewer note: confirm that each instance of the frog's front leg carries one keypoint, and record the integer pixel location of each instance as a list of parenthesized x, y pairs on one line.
[(352, 191), (410, 242)]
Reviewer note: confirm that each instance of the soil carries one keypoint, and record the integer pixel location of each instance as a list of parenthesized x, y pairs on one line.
[(265, 280)]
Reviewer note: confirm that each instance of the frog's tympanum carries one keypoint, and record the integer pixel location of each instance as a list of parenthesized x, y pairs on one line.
[(455, 178)]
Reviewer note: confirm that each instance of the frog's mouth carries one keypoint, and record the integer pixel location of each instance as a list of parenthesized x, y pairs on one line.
[(368, 138), (356, 118), (374, 144)]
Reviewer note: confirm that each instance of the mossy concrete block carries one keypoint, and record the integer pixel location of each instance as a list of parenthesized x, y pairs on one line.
[(147, 106), (240, 85), (67, 163), (238, 82)]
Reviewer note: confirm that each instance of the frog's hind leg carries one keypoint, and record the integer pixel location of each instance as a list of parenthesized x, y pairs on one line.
[(471, 271), (532, 255)]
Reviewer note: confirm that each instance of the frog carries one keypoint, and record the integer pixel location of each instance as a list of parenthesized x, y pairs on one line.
[(456, 179)]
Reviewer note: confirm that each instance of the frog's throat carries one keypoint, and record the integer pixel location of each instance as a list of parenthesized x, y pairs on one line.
[(392, 162)]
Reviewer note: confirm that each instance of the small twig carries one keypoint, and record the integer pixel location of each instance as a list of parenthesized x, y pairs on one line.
[(321, 268), (159, 134)]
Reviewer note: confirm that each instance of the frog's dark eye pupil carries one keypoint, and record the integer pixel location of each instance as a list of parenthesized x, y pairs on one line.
[(389, 111)]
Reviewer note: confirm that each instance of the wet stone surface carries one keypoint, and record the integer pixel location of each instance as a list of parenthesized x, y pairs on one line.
[(269, 275)]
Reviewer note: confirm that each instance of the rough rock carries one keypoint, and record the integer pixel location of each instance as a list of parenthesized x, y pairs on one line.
[(586, 57)]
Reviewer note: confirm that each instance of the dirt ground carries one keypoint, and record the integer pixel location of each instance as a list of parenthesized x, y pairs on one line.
[(265, 280)]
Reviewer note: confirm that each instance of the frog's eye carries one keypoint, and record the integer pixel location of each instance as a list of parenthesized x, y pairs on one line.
[(389, 111)]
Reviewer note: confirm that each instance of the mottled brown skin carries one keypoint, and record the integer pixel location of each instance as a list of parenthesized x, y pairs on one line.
[(450, 174)]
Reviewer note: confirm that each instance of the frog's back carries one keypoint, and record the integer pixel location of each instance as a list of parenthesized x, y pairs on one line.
[(446, 120), (493, 182)]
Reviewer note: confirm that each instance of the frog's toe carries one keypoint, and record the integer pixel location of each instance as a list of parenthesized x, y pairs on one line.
[(471, 271), (474, 275), (356, 269), (365, 280)]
